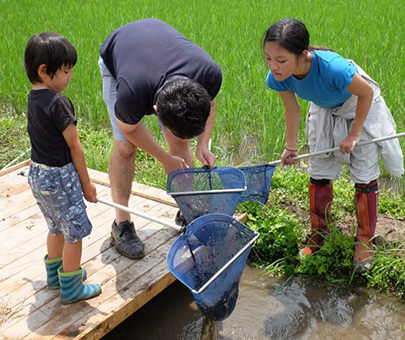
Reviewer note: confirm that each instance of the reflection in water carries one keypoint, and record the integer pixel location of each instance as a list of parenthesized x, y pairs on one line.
[(268, 310), (209, 330)]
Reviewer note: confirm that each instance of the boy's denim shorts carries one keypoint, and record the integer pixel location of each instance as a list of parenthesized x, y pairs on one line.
[(59, 196)]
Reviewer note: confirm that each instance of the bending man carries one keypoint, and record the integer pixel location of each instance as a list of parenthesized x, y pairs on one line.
[(150, 68)]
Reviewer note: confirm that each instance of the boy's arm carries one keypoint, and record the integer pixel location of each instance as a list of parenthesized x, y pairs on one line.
[(76, 150)]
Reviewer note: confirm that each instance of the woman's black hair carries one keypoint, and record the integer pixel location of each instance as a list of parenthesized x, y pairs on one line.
[(292, 35), (48, 48)]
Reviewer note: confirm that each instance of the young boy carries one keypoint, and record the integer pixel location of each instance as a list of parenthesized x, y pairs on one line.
[(58, 174)]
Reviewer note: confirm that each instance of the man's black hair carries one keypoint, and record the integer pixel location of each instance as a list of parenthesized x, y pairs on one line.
[(183, 106), (48, 48)]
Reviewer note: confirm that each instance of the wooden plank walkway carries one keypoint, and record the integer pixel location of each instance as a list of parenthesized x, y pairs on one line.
[(28, 310)]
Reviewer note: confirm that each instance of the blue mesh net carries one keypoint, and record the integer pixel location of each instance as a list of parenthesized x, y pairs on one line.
[(206, 247), (192, 190), (258, 182)]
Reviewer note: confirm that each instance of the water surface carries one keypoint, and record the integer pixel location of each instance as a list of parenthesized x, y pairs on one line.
[(268, 309)]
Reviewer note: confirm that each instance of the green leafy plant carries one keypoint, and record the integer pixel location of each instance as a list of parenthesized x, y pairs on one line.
[(279, 240), (388, 271), (333, 261), (281, 234), (391, 205)]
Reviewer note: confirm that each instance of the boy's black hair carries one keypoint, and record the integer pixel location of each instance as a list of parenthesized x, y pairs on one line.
[(47, 48), (183, 107)]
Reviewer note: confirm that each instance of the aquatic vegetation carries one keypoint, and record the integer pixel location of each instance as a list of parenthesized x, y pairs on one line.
[(388, 272), (282, 224)]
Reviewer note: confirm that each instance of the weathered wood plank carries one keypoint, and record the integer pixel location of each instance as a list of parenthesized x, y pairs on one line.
[(14, 203), (25, 289), (19, 217), (9, 257), (138, 189), (18, 186), (28, 229), (36, 249), (133, 279), (15, 167), (111, 278), (130, 301)]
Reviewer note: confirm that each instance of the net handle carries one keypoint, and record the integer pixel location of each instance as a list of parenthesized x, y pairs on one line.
[(150, 218), (307, 155), (224, 267), (124, 208), (206, 192)]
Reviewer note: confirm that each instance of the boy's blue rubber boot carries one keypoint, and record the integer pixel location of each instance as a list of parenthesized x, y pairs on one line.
[(52, 279), (73, 289)]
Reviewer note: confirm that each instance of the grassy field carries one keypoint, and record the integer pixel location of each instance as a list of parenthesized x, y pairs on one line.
[(249, 126)]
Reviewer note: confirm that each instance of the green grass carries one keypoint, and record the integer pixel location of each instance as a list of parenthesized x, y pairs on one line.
[(283, 223), (13, 140), (249, 126), (388, 272)]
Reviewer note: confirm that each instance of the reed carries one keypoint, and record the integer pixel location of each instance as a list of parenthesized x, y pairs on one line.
[(249, 125)]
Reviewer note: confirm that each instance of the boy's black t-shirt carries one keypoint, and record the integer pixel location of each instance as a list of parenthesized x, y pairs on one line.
[(143, 55), (48, 114)]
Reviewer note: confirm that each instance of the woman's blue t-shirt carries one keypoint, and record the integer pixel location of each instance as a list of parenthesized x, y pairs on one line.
[(325, 84)]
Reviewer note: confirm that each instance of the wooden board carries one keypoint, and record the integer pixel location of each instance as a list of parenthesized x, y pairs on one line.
[(28, 310)]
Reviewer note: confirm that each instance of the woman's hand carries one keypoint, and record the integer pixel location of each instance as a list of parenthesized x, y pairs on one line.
[(348, 144), (287, 157)]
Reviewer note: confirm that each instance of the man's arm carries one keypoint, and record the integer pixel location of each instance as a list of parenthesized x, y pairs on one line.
[(203, 153), (141, 137)]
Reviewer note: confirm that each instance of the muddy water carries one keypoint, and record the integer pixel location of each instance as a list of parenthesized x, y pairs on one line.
[(268, 309)]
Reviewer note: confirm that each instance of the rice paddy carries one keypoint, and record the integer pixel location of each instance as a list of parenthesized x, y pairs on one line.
[(249, 124)]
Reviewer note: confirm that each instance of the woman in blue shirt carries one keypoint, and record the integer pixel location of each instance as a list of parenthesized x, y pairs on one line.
[(346, 107)]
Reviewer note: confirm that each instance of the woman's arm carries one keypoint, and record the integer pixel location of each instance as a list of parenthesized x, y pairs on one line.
[(292, 123), (360, 88)]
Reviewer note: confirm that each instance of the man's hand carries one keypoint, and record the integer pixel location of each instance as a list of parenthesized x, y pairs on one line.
[(205, 156), (174, 163)]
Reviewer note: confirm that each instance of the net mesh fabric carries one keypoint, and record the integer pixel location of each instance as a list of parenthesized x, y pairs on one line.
[(195, 257), (258, 182), (190, 181)]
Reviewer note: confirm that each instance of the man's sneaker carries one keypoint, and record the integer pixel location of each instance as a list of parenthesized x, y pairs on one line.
[(126, 241), (180, 220)]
